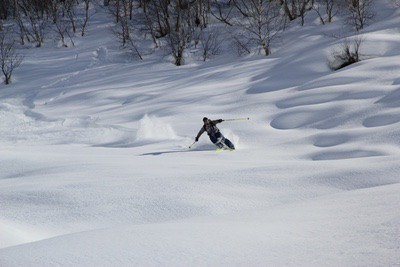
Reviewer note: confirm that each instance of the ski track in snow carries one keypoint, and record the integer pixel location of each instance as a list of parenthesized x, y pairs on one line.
[(95, 168)]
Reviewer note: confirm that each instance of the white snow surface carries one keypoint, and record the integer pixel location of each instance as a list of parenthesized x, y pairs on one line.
[(95, 168)]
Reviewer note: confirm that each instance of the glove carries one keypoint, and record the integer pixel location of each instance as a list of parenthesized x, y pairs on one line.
[(220, 120), (196, 139)]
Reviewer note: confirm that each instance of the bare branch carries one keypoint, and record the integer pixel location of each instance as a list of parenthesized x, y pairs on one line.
[(9, 58)]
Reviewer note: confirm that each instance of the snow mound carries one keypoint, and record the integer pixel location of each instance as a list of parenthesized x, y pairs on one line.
[(20, 124), (381, 120), (329, 140), (14, 234), (320, 119), (346, 154)]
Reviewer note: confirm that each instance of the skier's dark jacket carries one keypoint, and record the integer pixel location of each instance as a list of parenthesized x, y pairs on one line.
[(211, 128)]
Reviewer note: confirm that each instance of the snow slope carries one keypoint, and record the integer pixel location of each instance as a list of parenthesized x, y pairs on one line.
[(96, 170)]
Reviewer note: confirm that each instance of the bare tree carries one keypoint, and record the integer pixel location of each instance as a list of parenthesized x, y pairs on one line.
[(260, 23), (177, 39), (62, 29), (21, 29), (223, 11), (70, 12), (9, 58), (297, 8), (124, 31), (117, 15), (158, 15), (241, 44), (75, 17), (60, 21), (201, 9), (86, 18), (326, 10), (178, 22), (173, 21), (33, 21), (211, 42), (149, 23), (359, 12)]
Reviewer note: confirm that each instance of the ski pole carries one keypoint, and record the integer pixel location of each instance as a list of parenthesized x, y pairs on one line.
[(192, 144), (238, 119)]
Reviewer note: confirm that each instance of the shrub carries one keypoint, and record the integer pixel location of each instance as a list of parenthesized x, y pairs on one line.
[(347, 54)]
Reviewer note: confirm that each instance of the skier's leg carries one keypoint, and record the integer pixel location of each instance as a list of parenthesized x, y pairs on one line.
[(217, 140), (229, 144)]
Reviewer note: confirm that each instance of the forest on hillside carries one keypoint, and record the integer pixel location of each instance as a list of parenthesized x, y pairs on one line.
[(175, 26)]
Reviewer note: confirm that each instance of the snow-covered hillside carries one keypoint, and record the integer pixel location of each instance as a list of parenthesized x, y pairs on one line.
[(95, 168)]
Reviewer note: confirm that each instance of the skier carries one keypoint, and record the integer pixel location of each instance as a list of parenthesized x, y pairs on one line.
[(210, 126)]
